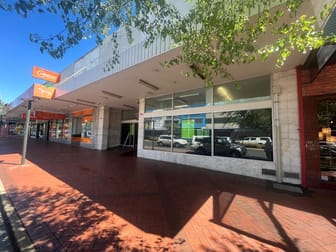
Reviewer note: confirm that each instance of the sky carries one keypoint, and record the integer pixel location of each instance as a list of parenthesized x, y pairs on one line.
[(18, 54)]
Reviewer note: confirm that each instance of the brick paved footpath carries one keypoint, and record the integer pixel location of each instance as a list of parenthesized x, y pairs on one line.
[(75, 199)]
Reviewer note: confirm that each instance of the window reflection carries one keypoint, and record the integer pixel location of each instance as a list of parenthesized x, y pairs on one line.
[(157, 134), (188, 130), (243, 91), (245, 133), (191, 98), (161, 103)]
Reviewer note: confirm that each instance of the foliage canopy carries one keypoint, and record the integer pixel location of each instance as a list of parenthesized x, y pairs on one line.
[(212, 34)]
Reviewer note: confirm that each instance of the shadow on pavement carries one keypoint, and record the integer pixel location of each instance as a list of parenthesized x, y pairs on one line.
[(102, 198)]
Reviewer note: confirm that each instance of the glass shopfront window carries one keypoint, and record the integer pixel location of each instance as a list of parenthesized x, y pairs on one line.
[(191, 99), (240, 134), (82, 126), (192, 134), (157, 134), (65, 128), (245, 134), (59, 129), (161, 103), (243, 91), (86, 127)]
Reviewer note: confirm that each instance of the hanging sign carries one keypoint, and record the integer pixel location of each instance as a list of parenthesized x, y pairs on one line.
[(44, 74), (42, 91), (41, 115)]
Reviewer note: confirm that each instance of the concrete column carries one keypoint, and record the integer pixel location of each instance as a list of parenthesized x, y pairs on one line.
[(103, 114), (114, 128), (141, 127)]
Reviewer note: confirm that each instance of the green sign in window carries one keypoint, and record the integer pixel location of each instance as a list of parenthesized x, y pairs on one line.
[(188, 128)]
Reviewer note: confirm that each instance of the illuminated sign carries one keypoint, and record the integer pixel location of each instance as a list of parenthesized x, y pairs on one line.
[(44, 74)]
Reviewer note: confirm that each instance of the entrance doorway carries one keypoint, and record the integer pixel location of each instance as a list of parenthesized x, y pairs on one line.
[(326, 116), (129, 135)]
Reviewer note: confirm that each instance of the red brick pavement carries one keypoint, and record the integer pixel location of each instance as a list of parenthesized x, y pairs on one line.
[(74, 199)]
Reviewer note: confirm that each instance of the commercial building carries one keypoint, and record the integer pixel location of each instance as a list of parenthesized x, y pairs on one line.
[(269, 123)]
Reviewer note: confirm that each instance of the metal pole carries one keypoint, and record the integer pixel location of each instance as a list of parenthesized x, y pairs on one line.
[(26, 132)]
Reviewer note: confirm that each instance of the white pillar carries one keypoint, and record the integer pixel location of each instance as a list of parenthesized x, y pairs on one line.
[(141, 127), (103, 114)]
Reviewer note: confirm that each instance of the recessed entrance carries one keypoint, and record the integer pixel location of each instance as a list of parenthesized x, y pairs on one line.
[(129, 135)]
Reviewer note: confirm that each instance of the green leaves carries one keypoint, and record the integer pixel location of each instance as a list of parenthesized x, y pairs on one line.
[(212, 35)]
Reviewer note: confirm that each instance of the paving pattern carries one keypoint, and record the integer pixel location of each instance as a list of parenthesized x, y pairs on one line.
[(75, 199)]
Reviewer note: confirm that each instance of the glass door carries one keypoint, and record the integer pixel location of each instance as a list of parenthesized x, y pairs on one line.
[(326, 113)]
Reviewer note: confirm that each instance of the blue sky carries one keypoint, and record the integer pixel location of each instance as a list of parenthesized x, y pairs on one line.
[(18, 55)]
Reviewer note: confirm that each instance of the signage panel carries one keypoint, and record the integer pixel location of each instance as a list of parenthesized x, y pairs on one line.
[(40, 115), (42, 91), (44, 74)]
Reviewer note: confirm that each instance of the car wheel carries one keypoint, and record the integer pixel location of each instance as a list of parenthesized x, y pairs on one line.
[(177, 145), (235, 154), (159, 144), (200, 151)]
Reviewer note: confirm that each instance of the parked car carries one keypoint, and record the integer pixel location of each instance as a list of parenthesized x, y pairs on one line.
[(327, 149), (222, 147), (165, 140), (256, 142)]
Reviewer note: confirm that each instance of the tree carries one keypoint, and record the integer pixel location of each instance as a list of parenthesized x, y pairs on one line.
[(213, 34), (2, 107)]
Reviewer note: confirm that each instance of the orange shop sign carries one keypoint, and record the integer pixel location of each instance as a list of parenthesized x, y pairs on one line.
[(42, 91), (40, 115), (44, 74)]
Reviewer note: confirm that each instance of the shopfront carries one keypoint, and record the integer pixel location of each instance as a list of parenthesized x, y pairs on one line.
[(319, 118), (227, 127), (82, 127)]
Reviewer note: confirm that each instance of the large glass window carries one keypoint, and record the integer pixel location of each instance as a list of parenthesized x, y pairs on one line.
[(160, 103), (59, 129), (243, 91), (87, 127), (192, 134), (82, 127), (191, 99), (157, 134), (245, 133)]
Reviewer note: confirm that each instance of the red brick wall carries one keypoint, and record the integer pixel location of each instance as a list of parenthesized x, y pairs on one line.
[(324, 83)]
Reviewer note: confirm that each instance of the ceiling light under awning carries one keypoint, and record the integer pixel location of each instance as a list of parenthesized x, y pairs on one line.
[(129, 106), (111, 94), (149, 85), (86, 101)]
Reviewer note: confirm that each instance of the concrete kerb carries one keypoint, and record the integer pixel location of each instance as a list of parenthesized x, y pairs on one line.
[(15, 229)]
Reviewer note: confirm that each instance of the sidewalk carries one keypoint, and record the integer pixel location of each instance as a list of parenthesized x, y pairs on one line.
[(75, 199)]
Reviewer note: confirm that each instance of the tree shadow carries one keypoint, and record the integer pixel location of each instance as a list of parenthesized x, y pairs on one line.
[(67, 220), (105, 196)]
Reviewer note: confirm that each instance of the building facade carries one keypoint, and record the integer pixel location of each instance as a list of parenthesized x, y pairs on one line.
[(265, 124)]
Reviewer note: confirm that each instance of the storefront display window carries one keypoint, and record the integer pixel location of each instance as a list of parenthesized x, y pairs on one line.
[(192, 99), (59, 129), (236, 133), (66, 129), (157, 134), (244, 134), (82, 126), (161, 103), (33, 128), (243, 91), (192, 134), (86, 127)]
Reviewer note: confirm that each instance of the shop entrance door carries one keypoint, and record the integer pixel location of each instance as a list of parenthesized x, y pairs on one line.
[(326, 116), (129, 135)]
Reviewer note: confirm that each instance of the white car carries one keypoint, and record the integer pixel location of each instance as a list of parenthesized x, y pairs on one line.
[(165, 140), (257, 142)]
